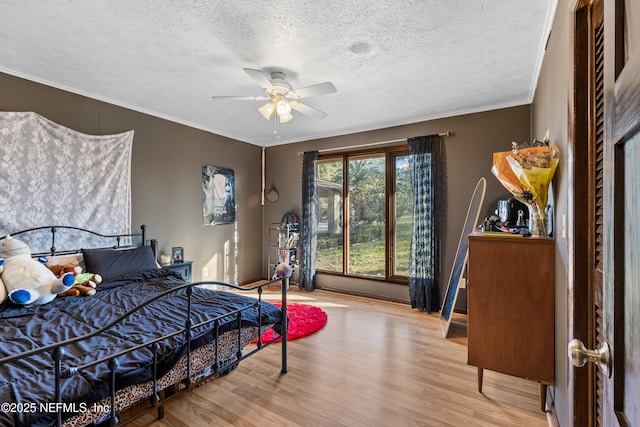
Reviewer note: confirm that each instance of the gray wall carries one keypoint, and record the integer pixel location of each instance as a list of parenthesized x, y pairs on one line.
[(167, 160), (468, 158), (166, 178), (550, 111)]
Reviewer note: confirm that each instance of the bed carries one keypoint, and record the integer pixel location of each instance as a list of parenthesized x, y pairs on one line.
[(143, 338)]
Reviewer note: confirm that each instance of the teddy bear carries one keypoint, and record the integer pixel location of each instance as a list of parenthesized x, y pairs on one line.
[(27, 280), (84, 284)]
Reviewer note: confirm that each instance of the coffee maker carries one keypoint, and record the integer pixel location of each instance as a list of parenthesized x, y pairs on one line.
[(508, 211)]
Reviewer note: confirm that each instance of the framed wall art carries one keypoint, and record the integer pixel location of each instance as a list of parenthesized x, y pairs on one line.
[(218, 195), (177, 254)]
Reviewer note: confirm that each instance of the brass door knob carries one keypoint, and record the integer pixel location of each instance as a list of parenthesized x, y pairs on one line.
[(579, 355)]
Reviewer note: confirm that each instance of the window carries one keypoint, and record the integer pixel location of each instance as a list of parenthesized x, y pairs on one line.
[(330, 218), (365, 214), (403, 214), (367, 220)]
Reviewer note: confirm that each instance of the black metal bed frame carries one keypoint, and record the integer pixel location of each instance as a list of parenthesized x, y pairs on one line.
[(117, 239), (158, 399)]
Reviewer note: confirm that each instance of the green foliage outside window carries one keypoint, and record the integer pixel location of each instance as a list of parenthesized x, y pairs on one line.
[(367, 215)]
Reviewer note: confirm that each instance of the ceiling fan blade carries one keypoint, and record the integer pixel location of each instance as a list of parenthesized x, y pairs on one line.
[(313, 90), (243, 98), (308, 111), (258, 76)]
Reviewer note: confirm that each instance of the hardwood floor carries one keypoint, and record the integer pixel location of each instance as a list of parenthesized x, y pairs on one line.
[(376, 363)]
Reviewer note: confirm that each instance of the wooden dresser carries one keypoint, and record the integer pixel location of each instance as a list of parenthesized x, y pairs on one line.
[(511, 307)]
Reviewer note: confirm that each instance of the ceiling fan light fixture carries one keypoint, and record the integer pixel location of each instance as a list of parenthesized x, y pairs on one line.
[(267, 110), (282, 97), (283, 108), (285, 118)]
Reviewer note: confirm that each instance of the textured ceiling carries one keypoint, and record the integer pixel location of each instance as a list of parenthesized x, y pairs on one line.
[(393, 62)]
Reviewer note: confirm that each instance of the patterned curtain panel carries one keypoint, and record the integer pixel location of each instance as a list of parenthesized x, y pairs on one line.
[(309, 221), (425, 159), (52, 175)]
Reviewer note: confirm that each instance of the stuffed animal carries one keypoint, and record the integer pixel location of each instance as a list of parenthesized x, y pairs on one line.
[(60, 269), (28, 281), (283, 271), (89, 279), (84, 283), (77, 290)]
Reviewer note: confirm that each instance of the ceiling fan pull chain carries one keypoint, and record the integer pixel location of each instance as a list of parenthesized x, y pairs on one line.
[(276, 134)]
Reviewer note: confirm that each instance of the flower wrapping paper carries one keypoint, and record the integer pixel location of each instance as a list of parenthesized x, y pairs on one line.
[(526, 173)]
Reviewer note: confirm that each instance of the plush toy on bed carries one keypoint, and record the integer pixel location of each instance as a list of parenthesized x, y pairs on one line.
[(84, 284), (28, 281)]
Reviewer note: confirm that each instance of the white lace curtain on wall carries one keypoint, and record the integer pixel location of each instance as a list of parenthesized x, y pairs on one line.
[(52, 175)]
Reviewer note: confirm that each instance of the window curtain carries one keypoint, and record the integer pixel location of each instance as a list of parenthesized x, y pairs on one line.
[(309, 221), (425, 161)]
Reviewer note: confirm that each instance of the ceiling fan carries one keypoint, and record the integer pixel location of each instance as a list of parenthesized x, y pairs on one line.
[(282, 97)]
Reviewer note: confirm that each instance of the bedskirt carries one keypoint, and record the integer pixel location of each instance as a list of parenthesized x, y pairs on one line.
[(204, 366)]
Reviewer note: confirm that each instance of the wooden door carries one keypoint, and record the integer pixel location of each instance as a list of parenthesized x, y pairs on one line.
[(612, 397), (587, 147), (621, 280)]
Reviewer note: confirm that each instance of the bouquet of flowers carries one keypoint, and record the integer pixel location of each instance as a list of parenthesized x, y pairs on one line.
[(526, 173)]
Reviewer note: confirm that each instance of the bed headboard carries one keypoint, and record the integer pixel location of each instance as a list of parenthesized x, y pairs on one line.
[(75, 238)]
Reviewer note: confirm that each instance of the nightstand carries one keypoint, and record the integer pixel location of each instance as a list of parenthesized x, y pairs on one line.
[(184, 268)]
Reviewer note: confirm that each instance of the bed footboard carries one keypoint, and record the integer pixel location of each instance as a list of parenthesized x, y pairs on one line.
[(189, 367), (224, 366)]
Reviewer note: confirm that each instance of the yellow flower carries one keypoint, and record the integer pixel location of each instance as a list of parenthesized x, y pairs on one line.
[(526, 173)]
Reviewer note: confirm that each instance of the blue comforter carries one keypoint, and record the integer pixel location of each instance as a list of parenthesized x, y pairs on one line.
[(30, 380)]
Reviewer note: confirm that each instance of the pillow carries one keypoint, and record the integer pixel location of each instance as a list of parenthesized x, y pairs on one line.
[(110, 263)]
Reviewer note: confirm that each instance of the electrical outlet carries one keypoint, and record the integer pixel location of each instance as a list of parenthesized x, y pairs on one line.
[(205, 272), (564, 226), (462, 284)]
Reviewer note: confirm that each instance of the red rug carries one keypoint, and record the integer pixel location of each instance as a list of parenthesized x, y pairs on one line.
[(303, 320)]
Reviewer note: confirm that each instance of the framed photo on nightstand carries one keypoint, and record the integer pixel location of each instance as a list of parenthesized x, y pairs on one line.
[(177, 254)]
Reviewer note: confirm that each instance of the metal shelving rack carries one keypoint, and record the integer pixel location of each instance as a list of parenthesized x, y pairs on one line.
[(284, 246)]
